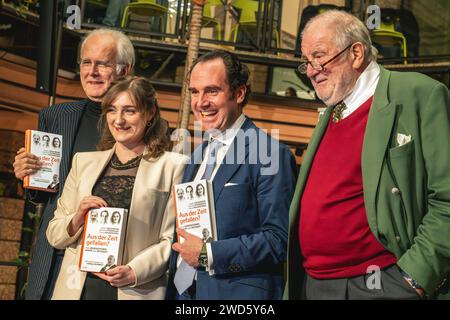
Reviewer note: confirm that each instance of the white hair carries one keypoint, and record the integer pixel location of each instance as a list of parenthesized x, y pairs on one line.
[(348, 29), (124, 47)]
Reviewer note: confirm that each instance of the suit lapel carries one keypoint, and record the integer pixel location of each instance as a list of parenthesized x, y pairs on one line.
[(376, 141), (68, 125), (307, 162)]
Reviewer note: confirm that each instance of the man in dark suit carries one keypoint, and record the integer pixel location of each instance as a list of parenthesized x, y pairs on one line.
[(251, 193), (105, 55), (370, 217)]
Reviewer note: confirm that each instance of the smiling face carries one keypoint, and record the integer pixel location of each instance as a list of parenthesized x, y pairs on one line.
[(46, 140), (56, 142), (212, 101), (94, 80), (336, 81), (115, 217), (199, 190), (126, 124), (104, 216), (189, 191)]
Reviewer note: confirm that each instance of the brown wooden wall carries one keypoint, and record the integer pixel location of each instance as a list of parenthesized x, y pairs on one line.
[(17, 93)]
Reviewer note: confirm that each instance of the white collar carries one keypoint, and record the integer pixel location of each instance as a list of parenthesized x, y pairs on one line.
[(364, 88)]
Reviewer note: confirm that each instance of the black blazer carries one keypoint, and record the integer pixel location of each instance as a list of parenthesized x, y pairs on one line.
[(60, 119)]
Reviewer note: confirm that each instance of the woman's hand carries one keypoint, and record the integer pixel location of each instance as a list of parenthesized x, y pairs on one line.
[(119, 276), (86, 204)]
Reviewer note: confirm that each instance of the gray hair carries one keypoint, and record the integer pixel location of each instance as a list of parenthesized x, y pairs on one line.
[(348, 29), (125, 49)]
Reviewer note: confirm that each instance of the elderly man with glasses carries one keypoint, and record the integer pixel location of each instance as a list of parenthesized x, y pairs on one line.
[(104, 56), (370, 217)]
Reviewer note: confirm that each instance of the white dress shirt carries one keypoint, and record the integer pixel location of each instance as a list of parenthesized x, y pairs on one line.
[(226, 138)]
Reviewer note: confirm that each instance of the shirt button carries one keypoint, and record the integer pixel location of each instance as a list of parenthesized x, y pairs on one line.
[(397, 238), (395, 191)]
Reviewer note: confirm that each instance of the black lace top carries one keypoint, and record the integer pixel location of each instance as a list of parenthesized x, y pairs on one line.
[(115, 186), (116, 183)]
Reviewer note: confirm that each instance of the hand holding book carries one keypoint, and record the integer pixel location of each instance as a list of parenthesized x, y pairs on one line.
[(89, 202), (119, 276), (190, 248), (25, 164)]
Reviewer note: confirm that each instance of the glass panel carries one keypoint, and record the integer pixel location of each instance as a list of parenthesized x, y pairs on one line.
[(290, 83), (433, 19), (160, 66)]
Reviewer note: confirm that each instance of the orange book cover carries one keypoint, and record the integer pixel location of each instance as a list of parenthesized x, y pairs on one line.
[(103, 239), (48, 148)]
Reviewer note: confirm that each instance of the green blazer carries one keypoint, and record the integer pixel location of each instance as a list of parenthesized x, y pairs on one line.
[(406, 188)]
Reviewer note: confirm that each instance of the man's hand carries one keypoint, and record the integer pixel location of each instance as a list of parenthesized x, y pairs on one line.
[(119, 276), (25, 164), (190, 249)]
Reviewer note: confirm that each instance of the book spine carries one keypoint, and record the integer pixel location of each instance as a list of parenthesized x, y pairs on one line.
[(176, 210), (26, 179), (83, 240)]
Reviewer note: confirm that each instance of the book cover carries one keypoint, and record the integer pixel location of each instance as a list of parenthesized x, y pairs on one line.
[(103, 239), (48, 147), (194, 206)]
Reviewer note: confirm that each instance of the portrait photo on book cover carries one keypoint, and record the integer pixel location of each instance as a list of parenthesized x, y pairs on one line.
[(54, 185), (104, 217), (45, 141), (56, 143), (189, 192), (93, 216), (199, 191), (116, 217), (180, 194), (110, 263), (206, 235), (36, 139)]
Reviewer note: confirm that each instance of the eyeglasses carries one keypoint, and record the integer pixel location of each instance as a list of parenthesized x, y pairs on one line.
[(319, 66), (101, 66)]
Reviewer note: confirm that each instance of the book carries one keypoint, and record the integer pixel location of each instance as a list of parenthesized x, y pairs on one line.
[(47, 147), (103, 239), (194, 209)]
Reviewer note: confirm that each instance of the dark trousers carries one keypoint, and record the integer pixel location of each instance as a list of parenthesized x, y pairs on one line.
[(58, 257), (391, 286)]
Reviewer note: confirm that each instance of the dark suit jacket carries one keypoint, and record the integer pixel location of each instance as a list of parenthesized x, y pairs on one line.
[(406, 188), (60, 119), (251, 218)]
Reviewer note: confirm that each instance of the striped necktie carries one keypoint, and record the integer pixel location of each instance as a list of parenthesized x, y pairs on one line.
[(212, 159)]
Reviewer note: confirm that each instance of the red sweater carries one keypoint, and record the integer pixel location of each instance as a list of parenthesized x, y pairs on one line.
[(334, 234)]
